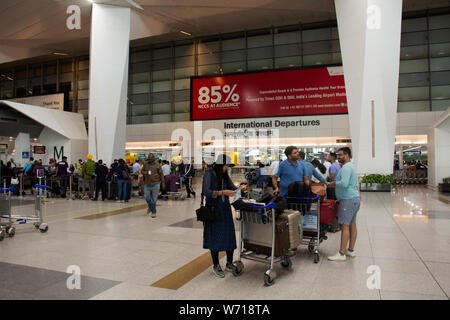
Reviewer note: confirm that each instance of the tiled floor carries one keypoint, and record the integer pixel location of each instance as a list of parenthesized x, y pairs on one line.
[(405, 233)]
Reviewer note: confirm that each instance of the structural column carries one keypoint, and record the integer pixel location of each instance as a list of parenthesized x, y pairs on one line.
[(369, 35), (108, 81), (22, 144)]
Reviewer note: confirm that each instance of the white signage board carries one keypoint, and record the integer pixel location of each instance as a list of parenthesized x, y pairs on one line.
[(51, 101)]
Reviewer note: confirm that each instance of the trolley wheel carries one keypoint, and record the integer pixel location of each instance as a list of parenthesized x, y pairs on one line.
[(11, 231), (43, 228), (316, 257), (36, 225), (286, 264), (311, 248), (268, 281)]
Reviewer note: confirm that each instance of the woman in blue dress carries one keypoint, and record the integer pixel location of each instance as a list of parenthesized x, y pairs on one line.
[(219, 236)]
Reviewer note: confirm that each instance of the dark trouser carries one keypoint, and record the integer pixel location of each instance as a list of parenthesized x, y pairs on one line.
[(215, 257), (100, 185), (64, 180), (187, 182)]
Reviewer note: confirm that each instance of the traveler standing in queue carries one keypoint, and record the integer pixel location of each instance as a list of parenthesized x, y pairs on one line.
[(334, 168), (310, 171), (61, 172), (153, 178), (87, 173), (349, 203), (289, 170), (217, 187), (166, 173), (123, 174), (101, 171)]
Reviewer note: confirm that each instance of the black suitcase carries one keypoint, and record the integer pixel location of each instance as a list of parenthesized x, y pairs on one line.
[(111, 190)]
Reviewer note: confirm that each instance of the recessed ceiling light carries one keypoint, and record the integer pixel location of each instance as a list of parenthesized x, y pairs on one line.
[(186, 33), (239, 69), (60, 54)]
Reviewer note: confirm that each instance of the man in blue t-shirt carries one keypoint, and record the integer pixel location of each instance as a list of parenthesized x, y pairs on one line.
[(334, 168), (289, 170), (349, 202)]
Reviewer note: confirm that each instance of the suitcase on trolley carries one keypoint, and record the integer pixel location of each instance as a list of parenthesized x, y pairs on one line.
[(295, 228), (282, 241)]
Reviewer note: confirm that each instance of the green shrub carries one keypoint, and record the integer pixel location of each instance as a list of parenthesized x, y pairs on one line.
[(377, 178), (446, 180)]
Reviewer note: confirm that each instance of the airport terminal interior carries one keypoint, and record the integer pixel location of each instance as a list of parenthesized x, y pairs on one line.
[(117, 116)]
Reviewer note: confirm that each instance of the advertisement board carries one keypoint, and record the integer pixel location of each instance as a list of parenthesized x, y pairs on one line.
[(51, 101), (310, 91)]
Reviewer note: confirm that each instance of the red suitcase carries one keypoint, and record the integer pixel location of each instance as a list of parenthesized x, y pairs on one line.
[(328, 211)]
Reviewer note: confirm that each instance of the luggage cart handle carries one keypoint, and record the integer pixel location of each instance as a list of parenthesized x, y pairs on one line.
[(6, 189), (317, 197), (40, 186)]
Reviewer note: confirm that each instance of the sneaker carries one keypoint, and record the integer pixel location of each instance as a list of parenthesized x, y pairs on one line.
[(218, 271), (230, 267), (118, 201), (337, 257), (351, 254), (153, 215)]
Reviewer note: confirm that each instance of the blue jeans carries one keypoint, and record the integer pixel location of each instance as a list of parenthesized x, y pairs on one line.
[(122, 189), (151, 192)]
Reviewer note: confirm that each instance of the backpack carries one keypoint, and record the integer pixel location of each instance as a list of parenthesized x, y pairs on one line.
[(299, 189)]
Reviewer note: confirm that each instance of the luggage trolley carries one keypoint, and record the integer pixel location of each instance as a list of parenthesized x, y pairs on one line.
[(313, 231), (37, 218), (6, 228), (257, 225)]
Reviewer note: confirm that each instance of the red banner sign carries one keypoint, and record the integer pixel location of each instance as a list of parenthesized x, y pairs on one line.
[(265, 94)]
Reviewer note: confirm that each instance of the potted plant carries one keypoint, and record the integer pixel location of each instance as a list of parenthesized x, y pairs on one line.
[(377, 182), (445, 185)]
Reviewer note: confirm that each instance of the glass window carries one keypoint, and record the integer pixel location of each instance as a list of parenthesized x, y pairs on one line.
[(83, 94), (440, 22), (231, 56), (66, 67), (440, 78), (20, 74), (317, 59), (288, 50), (140, 119), (139, 110), (413, 52), (334, 33), (161, 86), (233, 67), (139, 98), (142, 77), (182, 84), (83, 65), (440, 36), (187, 50), (336, 58), (414, 38), (414, 93), (440, 92), (161, 108), (420, 65), (411, 25), (211, 69), (316, 34), (287, 37), (288, 62), (414, 106), (181, 117), (187, 61), (139, 88), (140, 56), (208, 58), (184, 72), (260, 53), (439, 64), (207, 47), (260, 41), (161, 118), (440, 50), (161, 75), (440, 105), (182, 106), (233, 44), (162, 53), (161, 64), (263, 64), (84, 84)]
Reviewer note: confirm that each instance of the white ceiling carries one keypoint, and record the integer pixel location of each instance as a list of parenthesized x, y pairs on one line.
[(30, 28)]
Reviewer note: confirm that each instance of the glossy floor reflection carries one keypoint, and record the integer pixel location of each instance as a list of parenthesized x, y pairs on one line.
[(406, 234)]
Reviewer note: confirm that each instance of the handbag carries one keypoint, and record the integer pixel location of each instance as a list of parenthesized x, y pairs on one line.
[(208, 213)]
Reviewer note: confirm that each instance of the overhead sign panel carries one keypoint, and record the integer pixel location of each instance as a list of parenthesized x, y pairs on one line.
[(266, 94)]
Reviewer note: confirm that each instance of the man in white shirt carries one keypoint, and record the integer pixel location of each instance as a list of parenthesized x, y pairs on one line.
[(273, 168), (165, 168)]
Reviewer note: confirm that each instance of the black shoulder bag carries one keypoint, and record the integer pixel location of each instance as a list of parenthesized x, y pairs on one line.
[(208, 213)]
